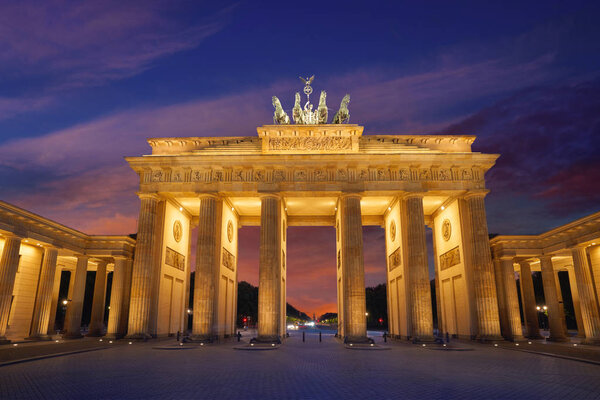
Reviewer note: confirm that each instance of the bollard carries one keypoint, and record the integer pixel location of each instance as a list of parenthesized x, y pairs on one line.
[(303, 336), (385, 337), (178, 336), (447, 338), (319, 336), (239, 336)]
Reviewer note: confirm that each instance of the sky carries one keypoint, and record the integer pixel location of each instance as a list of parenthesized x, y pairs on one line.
[(83, 84)]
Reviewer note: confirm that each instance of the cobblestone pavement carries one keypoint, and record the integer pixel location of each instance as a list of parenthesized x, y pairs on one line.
[(298, 370)]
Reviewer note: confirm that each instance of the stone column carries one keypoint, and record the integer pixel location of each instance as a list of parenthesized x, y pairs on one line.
[(116, 298), (208, 258), (561, 305), (557, 332), (122, 329), (143, 268), (589, 308), (269, 279), (513, 315), (505, 325), (54, 306), (353, 269), (43, 300), (576, 305), (419, 294), (483, 271), (97, 319), (9, 263), (529, 304), (75, 306)]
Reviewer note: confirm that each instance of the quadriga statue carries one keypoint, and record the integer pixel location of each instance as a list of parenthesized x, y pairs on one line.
[(322, 109), (280, 116), (343, 114), (297, 113)]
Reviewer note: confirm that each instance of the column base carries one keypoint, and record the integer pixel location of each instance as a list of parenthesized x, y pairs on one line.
[(516, 339), (593, 342), (95, 334), (266, 339), (72, 336), (199, 339), (113, 336), (139, 337), (533, 337), (4, 340), (39, 337), (559, 339), (489, 338), (358, 340), (423, 339)]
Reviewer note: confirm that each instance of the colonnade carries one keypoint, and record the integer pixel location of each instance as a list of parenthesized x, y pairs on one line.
[(45, 291), (583, 292)]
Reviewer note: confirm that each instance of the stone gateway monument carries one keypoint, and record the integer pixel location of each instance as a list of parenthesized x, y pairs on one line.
[(306, 170), (313, 174)]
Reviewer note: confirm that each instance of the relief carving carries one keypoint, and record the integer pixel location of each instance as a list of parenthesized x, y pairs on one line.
[(404, 174), (310, 143), (450, 259), (394, 259), (175, 259), (157, 176), (228, 260)]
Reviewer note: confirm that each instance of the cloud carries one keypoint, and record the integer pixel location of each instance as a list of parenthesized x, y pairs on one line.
[(547, 138), (63, 45)]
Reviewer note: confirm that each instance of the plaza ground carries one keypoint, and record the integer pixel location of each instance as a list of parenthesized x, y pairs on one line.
[(299, 370)]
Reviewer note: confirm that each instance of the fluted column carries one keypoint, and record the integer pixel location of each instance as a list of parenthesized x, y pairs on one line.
[(75, 306), (419, 296), (43, 301), (589, 308), (483, 271), (515, 329), (9, 263), (207, 268), (575, 299), (116, 297), (54, 305), (505, 325), (561, 305), (97, 319), (353, 269), (557, 332), (529, 304), (143, 268), (269, 273), (122, 329)]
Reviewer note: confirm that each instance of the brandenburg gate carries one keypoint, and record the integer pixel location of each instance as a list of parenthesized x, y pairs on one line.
[(313, 174)]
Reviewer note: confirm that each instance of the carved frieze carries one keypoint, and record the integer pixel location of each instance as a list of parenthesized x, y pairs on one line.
[(309, 143), (317, 174), (450, 258), (175, 259), (395, 259), (228, 259)]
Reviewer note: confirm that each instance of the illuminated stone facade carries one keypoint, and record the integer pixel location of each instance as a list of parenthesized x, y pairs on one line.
[(299, 175), (319, 175)]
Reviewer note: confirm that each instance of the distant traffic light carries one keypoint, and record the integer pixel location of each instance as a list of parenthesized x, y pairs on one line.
[(381, 320)]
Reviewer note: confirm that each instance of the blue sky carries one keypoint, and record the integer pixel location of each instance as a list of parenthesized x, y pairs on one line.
[(82, 84)]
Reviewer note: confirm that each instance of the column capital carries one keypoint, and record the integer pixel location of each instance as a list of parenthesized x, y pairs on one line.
[(208, 195), (11, 235), (270, 195), (545, 257), (344, 195), (475, 193), (82, 256), (412, 195), (144, 195), (506, 258)]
